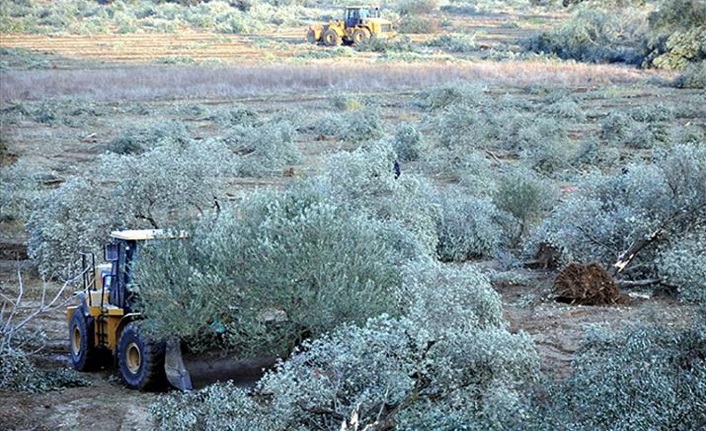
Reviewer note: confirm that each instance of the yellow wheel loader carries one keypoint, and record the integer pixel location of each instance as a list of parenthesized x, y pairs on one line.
[(358, 25), (105, 324)]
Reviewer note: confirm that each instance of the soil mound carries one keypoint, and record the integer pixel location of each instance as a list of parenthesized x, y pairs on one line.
[(586, 284)]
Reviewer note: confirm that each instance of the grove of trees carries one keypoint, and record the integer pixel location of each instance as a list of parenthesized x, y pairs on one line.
[(365, 282)]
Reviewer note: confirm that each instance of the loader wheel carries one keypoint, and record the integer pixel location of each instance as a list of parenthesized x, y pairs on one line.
[(84, 355), (140, 360), (331, 38), (361, 35)]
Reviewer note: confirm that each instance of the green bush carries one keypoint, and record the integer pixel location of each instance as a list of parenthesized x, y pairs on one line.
[(650, 377), (19, 374), (527, 198), (677, 30), (137, 140), (694, 76), (683, 264), (416, 24), (154, 189), (460, 43), (468, 228), (263, 150), (364, 180), (596, 35), (19, 186), (416, 7), (609, 212), (304, 266), (408, 144), (448, 364)]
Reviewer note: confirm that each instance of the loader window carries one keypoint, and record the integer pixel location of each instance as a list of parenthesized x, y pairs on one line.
[(111, 252)]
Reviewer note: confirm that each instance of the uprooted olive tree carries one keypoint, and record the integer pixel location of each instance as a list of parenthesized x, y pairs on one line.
[(645, 223), (279, 267), (446, 362)]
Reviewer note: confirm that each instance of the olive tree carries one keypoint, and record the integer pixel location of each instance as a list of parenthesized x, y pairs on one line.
[(447, 363), (148, 190), (616, 218)]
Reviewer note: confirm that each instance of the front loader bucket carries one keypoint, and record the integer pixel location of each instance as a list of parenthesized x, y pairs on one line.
[(177, 375), (197, 370)]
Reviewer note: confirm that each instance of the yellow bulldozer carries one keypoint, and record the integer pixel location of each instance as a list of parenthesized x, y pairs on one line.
[(359, 24), (106, 324)]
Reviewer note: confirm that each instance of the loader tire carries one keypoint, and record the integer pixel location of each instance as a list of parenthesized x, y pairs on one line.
[(82, 348), (361, 35), (141, 360), (331, 38)]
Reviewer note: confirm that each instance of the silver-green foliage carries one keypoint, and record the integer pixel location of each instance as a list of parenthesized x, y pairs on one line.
[(597, 34), (275, 269), (448, 363), (363, 180), (468, 227), (325, 251), (408, 144), (694, 76), (651, 377), (677, 34), (608, 212), (263, 149), (469, 120), (18, 188), (150, 190), (683, 263)]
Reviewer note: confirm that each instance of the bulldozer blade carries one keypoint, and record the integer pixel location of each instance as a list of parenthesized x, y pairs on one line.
[(196, 370), (177, 374)]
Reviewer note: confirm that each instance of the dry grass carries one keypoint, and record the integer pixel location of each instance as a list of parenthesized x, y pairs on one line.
[(143, 83)]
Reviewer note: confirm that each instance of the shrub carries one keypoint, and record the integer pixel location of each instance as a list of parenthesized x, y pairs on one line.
[(364, 180), (138, 140), (263, 150), (448, 364), (416, 24), (526, 197), (694, 76), (649, 377), (468, 228), (460, 43), (153, 189), (677, 30), (416, 7), (594, 34), (444, 96), (299, 256), (18, 188), (408, 144), (17, 371), (683, 264), (609, 212), (19, 374)]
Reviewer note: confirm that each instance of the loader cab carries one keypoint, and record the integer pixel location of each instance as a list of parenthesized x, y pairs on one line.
[(122, 253), (358, 15)]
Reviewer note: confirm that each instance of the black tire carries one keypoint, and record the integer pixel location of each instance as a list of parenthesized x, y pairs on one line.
[(361, 35), (140, 360), (331, 38), (82, 348)]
